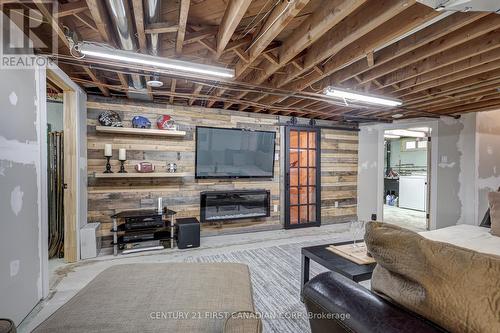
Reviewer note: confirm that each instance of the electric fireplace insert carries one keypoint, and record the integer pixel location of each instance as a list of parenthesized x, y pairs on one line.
[(219, 206)]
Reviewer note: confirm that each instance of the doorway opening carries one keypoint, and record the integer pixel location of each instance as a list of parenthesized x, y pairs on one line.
[(62, 164), (407, 177), (55, 170)]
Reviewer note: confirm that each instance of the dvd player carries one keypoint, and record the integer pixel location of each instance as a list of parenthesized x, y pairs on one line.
[(144, 222), (137, 237)]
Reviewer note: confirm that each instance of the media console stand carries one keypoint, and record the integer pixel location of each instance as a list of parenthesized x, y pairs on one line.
[(142, 230)]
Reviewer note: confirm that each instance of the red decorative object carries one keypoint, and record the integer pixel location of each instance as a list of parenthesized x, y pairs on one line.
[(163, 122), (145, 167)]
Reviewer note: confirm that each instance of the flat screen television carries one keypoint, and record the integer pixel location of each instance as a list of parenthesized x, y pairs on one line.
[(234, 153)]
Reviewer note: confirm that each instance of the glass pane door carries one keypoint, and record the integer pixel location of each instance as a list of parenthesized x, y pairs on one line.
[(302, 186)]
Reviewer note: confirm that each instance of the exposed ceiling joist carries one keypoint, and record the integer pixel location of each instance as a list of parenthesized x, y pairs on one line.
[(139, 24), (161, 28), (405, 45), (378, 32), (308, 32), (281, 15), (283, 51), (477, 28), (460, 52), (55, 24), (232, 16), (363, 21), (277, 20), (71, 8), (181, 32)]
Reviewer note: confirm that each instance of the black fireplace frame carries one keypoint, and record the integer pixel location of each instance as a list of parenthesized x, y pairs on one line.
[(203, 204)]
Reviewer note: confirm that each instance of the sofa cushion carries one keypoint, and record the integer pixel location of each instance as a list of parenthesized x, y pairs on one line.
[(456, 288), (494, 199)]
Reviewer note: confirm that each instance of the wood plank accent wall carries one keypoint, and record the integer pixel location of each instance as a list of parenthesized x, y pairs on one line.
[(339, 175), (339, 166)]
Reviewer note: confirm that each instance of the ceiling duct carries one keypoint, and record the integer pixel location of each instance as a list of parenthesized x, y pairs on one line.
[(153, 8), (121, 20), (464, 5)]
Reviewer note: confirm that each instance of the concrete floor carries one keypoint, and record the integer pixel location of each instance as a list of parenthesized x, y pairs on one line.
[(67, 279), (406, 218)]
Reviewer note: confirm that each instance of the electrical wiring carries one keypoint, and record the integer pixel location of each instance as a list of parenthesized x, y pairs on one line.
[(271, 25), (248, 29)]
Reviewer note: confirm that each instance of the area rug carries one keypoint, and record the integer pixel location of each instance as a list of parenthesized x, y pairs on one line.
[(275, 274)]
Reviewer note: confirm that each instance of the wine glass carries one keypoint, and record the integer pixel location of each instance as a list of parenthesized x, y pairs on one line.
[(357, 228)]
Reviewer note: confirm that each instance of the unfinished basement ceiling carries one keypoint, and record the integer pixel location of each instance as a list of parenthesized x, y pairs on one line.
[(286, 53)]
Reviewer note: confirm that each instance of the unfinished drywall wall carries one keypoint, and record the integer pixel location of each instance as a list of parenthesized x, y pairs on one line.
[(20, 147), (467, 146), (488, 158), (448, 172), (369, 191)]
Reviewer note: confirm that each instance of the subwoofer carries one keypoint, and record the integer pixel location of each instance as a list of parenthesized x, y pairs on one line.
[(187, 232)]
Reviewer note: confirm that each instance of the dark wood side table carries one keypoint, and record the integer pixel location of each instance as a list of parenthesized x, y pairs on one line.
[(333, 262)]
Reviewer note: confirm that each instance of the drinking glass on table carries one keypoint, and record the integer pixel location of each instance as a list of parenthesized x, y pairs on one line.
[(357, 228)]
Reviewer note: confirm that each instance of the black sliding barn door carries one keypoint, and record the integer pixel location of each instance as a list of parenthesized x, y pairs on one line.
[(302, 177)]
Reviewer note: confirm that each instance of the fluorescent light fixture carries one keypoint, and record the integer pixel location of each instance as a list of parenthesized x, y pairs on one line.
[(391, 136), (106, 52), (406, 133), (334, 92), (397, 116)]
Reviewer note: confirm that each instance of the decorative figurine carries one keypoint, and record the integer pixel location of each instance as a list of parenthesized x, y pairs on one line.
[(145, 167), (110, 118), (166, 122), (140, 122), (171, 167)]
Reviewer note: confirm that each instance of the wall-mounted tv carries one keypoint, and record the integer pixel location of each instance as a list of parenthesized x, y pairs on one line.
[(234, 153)]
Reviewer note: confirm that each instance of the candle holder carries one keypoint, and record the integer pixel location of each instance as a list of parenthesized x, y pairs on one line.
[(108, 166), (122, 167)]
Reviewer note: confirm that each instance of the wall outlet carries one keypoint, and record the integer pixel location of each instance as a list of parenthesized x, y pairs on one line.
[(147, 202), (336, 204), (275, 208), (14, 267)]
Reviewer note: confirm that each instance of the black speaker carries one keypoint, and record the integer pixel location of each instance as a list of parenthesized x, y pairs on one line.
[(188, 232)]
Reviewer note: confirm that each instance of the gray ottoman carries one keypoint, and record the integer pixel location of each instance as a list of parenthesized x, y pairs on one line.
[(163, 297)]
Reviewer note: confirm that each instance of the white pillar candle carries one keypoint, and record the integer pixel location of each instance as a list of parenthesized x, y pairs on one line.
[(122, 154), (160, 205), (108, 149)]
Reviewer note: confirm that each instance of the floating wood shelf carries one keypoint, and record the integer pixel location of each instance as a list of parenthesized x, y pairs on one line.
[(139, 131), (142, 175)]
